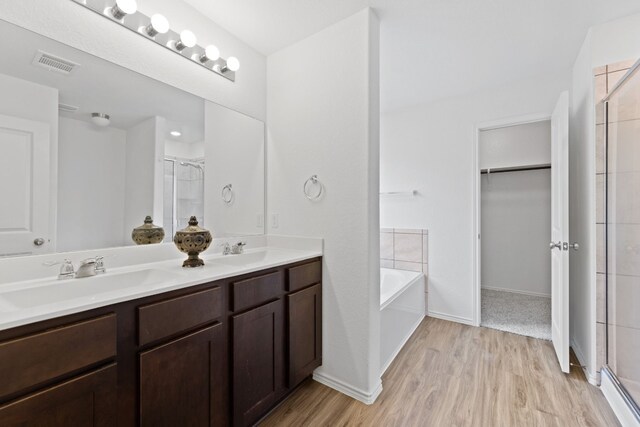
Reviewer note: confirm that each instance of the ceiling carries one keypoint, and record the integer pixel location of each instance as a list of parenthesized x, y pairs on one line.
[(432, 49), (100, 86)]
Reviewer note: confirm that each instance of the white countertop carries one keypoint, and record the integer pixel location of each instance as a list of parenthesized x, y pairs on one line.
[(30, 301)]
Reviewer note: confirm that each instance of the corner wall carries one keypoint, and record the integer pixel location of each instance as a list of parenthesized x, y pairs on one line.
[(323, 118)]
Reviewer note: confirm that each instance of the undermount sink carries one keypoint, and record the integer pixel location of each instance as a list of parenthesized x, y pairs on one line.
[(55, 291)]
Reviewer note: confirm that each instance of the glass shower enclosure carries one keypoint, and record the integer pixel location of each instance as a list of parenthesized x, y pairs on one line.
[(622, 163), (183, 194)]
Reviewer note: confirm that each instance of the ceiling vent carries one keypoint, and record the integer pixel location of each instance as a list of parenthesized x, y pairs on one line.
[(54, 63), (67, 108)]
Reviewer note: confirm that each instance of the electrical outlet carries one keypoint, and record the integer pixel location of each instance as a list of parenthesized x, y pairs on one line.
[(275, 220), (260, 221)]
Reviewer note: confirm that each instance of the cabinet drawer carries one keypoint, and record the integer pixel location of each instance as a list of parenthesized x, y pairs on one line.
[(166, 318), (86, 400), (304, 275), (28, 361), (255, 291)]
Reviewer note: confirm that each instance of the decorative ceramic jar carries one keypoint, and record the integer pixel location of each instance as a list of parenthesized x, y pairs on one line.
[(147, 233), (192, 240)]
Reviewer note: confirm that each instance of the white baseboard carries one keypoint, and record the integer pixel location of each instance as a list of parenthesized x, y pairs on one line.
[(344, 388), (401, 346), (514, 291), (592, 377), (451, 318), (617, 402)]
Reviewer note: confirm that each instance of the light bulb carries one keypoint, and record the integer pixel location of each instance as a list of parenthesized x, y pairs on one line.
[(158, 25), (233, 64), (211, 53), (187, 39), (123, 8), (175, 133)]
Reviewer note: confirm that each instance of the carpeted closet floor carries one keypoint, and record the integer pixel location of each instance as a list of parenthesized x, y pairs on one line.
[(516, 313)]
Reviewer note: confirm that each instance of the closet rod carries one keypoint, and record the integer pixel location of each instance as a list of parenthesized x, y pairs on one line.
[(516, 169)]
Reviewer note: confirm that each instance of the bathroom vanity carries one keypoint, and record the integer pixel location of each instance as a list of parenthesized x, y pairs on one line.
[(222, 352)]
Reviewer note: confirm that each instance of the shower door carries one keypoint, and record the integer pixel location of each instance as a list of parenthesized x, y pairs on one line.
[(623, 235)]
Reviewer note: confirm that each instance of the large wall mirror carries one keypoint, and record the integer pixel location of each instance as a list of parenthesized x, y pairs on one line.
[(88, 149)]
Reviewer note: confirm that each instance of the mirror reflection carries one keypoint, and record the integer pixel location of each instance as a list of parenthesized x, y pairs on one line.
[(88, 149)]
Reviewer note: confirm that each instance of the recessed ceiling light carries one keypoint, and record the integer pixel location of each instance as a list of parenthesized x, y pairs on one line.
[(175, 133)]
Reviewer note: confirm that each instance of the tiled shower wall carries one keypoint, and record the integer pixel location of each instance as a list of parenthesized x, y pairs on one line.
[(605, 79)]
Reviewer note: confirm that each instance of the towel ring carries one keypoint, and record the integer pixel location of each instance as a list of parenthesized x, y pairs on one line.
[(306, 188), (227, 194)]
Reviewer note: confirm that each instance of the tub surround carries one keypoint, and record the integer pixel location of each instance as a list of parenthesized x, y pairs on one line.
[(406, 249), (151, 270), (402, 309)]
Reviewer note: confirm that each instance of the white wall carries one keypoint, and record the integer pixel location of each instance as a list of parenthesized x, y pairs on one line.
[(144, 181), (183, 150), (516, 223), (323, 119), (92, 186), (234, 154), (70, 23), (38, 103), (430, 149), (512, 146), (616, 41)]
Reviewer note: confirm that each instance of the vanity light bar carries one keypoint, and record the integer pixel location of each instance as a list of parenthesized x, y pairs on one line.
[(156, 28)]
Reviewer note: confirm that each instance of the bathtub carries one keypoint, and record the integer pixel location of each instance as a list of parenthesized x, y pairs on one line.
[(402, 308)]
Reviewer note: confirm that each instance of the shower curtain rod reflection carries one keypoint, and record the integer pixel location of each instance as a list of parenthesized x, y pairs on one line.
[(514, 169)]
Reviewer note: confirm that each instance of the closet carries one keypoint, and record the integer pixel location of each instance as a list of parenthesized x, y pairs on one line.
[(515, 218)]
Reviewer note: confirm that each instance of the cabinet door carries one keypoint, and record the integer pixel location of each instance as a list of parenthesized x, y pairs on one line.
[(258, 362), (85, 401), (305, 333), (182, 382)]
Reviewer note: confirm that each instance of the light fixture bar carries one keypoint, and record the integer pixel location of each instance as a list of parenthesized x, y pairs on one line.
[(147, 27)]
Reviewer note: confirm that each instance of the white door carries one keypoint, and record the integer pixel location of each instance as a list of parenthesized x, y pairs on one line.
[(560, 230), (24, 187)]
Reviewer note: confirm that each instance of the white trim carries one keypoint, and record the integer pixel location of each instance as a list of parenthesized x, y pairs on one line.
[(488, 125), (516, 291), (617, 403), (451, 318), (344, 388), (593, 378), (401, 346)]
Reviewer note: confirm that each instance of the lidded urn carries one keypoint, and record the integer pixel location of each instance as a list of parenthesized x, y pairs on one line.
[(192, 240), (147, 233)]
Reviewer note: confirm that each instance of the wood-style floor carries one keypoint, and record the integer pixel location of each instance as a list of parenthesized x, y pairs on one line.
[(450, 374)]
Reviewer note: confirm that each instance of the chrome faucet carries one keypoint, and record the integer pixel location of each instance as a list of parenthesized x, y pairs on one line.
[(226, 248), (238, 248), (87, 268), (67, 270)]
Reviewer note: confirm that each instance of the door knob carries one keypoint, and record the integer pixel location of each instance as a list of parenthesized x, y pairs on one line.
[(39, 241), (574, 246), (553, 246)]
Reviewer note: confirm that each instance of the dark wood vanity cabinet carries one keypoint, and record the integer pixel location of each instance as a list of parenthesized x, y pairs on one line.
[(305, 333), (217, 354), (181, 382), (258, 361), (87, 400)]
